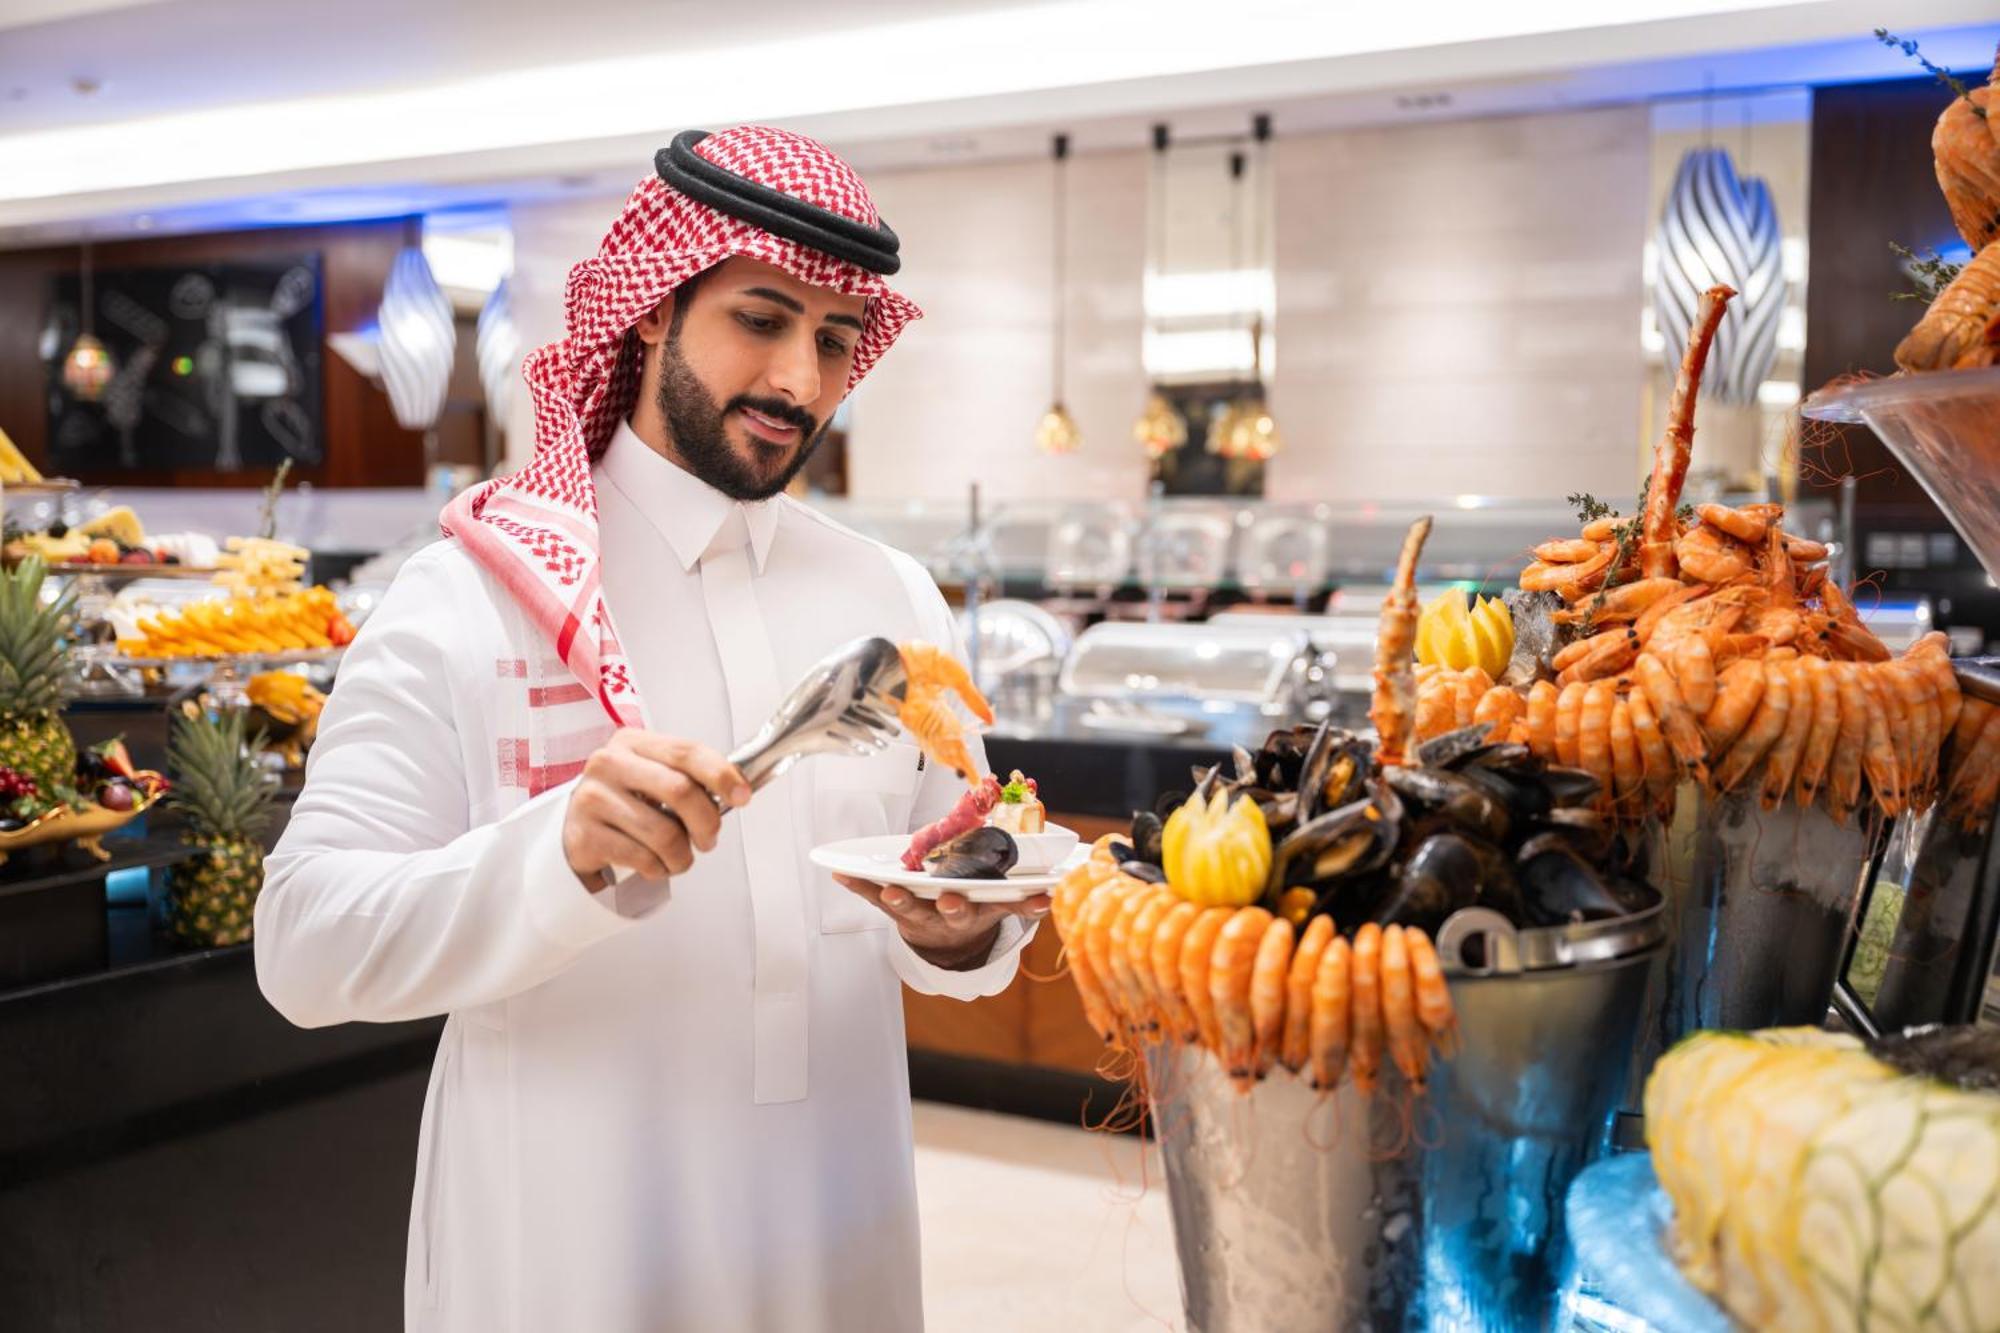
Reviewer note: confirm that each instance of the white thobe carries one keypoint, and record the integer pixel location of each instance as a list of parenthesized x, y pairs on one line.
[(657, 1106)]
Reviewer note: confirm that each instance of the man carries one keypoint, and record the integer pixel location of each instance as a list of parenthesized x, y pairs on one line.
[(672, 1092)]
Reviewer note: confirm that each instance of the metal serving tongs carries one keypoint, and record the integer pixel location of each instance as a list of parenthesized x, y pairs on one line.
[(847, 703)]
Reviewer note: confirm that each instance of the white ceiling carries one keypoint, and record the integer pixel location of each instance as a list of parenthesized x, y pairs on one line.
[(195, 114)]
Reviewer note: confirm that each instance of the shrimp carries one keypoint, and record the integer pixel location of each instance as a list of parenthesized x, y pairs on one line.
[(1229, 971), (1738, 690), (1499, 709), (1542, 719), (1825, 729), (1844, 779), (1095, 923), (1573, 580), (1569, 722), (1392, 707), (1680, 595), (1712, 556), (1070, 897), (1434, 1007), (1804, 551), (1365, 1050), (1906, 680), (1773, 716), (1653, 751), (1603, 529), (1332, 1007), (1783, 761), (1399, 1011), (1933, 656), (1676, 719), (1624, 603), (1593, 742), (1567, 551), (1976, 774), (1628, 765), (1437, 706), (1137, 994), (1168, 937), (1197, 954), (1604, 654), (1676, 446), (1465, 695), (1694, 672), (1843, 631), (1972, 715), (932, 674), (1879, 760), (1296, 1046), (1747, 524), (1270, 977), (1139, 955)]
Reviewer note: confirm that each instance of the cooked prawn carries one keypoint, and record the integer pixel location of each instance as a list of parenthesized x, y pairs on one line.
[(1197, 957), (1499, 709), (1593, 728), (1624, 603), (1677, 720), (1331, 1028), (1738, 690), (1168, 938), (1878, 756), (1095, 927), (1399, 1011), (1364, 1054), (1844, 779), (1825, 731), (1783, 762), (1568, 551), (1628, 765), (1569, 722), (1658, 759), (1542, 698), (933, 674), (1229, 971), (1712, 556), (1694, 672), (1773, 715), (1139, 956), (1434, 1007), (1270, 974), (1603, 654), (1571, 580), (1747, 524), (1296, 1046)]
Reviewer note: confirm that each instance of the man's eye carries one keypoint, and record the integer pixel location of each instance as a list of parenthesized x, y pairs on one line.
[(832, 347), (758, 323)]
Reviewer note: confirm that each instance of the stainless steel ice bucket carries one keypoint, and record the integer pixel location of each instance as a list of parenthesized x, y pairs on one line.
[(1759, 908), (1293, 1212)]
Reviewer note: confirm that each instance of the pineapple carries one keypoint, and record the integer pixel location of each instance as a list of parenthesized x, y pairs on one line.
[(226, 799), (33, 740)]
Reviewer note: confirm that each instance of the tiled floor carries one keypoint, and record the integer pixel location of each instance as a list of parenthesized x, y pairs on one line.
[(1033, 1226)]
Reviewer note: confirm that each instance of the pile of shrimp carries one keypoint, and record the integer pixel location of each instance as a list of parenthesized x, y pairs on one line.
[(1713, 648), (934, 676), (1245, 985)]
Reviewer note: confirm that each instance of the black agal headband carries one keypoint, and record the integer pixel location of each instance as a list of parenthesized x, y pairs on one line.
[(781, 214)]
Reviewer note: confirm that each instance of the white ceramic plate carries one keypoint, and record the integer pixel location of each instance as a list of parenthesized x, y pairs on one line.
[(880, 859)]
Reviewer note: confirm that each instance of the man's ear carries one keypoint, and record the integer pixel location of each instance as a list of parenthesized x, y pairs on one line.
[(652, 326)]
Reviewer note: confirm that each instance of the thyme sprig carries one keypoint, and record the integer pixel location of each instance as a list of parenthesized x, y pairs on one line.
[(1930, 273), (1943, 76)]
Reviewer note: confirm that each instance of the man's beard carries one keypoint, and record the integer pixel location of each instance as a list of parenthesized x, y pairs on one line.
[(696, 424)]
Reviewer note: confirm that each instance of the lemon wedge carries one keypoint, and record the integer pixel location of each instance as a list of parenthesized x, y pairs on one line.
[(1455, 635)]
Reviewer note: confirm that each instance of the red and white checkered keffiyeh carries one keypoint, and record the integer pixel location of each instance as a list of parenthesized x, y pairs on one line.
[(536, 530)]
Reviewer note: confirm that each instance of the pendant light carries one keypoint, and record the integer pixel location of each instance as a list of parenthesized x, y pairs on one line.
[(1253, 431), (1223, 426), (1057, 432), (1159, 429), (88, 368)]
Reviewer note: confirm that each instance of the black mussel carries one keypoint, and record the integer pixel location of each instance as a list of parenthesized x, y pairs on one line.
[(1146, 834), (1441, 876), (1561, 888), (1245, 764), (1439, 751), (1358, 837), (1281, 812), (1499, 754), (1586, 832), (981, 853), (1570, 786), (1121, 850), (1169, 802), (1523, 798), (1144, 870), (1465, 803)]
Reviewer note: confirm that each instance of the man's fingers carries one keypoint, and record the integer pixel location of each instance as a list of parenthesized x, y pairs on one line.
[(702, 763), (645, 824), (671, 790), (621, 849)]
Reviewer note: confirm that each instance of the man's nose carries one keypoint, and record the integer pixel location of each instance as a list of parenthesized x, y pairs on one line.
[(794, 371)]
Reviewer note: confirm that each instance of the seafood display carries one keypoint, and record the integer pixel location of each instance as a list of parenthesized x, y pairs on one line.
[(1283, 914), (1961, 329), (1820, 1183), (246, 623), (1709, 644)]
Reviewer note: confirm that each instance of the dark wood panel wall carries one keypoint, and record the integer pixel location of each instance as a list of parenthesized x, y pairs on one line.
[(364, 445), (1873, 182)]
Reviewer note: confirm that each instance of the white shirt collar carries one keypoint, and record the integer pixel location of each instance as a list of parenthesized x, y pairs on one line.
[(685, 510)]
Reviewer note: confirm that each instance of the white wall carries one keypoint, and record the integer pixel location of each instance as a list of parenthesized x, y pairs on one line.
[(958, 398), (1458, 308)]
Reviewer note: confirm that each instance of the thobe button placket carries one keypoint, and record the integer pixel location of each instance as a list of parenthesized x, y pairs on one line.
[(770, 840)]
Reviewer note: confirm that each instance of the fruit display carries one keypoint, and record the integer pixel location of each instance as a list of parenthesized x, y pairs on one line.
[(286, 707), (1820, 1183), (259, 564), (115, 537), (34, 741), (245, 623), (226, 799)]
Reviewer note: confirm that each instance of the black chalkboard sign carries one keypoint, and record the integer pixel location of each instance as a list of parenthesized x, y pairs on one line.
[(217, 368)]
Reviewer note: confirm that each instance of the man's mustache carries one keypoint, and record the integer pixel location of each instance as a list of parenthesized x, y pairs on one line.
[(777, 410)]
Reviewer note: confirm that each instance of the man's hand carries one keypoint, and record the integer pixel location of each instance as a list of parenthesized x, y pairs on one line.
[(644, 803), (951, 932)]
